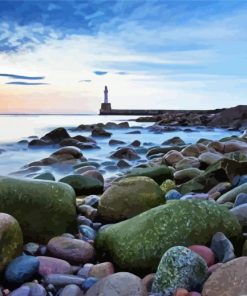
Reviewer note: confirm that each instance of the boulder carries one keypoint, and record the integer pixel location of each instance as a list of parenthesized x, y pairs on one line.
[(138, 244), (66, 153), (56, 136), (11, 239), (228, 280), (129, 197), (174, 141), (113, 142), (43, 208), (179, 268), (158, 173), (100, 132), (125, 153)]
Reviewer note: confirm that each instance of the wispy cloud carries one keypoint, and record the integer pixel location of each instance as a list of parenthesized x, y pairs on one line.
[(100, 73), (26, 83), (14, 76)]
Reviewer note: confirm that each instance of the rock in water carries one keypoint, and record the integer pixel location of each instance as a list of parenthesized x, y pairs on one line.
[(129, 197), (228, 280), (179, 268), (44, 209), (138, 244), (11, 240)]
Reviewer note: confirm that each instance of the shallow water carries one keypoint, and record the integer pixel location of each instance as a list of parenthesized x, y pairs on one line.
[(18, 127)]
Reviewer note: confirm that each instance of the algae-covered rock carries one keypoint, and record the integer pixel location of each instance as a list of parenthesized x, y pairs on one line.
[(83, 184), (129, 197), (138, 244), (179, 268), (158, 174), (44, 209), (221, 171), (167, 185), (11, 239)]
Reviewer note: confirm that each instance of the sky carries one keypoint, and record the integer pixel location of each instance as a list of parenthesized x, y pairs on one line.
[(57, 56)]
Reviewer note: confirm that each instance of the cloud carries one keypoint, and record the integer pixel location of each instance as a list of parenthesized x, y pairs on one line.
[(26, 83), (100, 73), (14, 76), (85, 80)]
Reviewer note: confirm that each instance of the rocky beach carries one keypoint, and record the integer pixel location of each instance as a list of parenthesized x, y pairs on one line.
[(152, 206)]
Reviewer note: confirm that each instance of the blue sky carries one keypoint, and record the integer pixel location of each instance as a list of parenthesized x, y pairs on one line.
[(151, 54)]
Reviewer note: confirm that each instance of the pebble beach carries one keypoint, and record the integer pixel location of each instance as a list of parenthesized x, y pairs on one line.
[(150, 206)]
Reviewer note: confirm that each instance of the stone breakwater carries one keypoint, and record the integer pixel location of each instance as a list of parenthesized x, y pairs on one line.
[(173, 224)]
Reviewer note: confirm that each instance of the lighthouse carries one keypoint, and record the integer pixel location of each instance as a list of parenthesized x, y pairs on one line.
[(105, 106)]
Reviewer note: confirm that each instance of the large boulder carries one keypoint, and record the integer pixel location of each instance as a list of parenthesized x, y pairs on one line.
[(179, 268), (138, 244), (11, 239), (221, 171), (56, 136), (228, 280), (129, 197), (43, 208), (159, 173)]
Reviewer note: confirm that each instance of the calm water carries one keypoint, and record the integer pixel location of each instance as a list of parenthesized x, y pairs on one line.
[(18, 127)]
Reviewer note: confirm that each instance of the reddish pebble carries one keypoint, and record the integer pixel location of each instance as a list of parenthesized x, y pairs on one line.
[(206, 253), (194, 294), (181, 292)]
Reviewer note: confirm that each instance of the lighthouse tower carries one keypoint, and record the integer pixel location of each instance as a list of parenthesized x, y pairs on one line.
[(105, 106)]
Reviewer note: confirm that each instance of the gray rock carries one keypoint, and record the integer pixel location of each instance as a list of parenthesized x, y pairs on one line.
[(222, 247)]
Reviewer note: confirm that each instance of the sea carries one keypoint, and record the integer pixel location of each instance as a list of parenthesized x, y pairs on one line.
[(14, 128)]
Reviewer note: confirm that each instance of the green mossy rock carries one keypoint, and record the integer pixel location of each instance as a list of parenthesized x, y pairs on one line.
[(130, 197), (138, 244), (221, 171), (11, 239), (159, 174), (83, 185), (44, 209), (179, 268)]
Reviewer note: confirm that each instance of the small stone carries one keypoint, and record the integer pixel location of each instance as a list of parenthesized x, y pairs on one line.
[(88, 211), (35, 289), (206, 253), (49, 265), (92, 200), (240, 199), (22, 291), (148, 281), (173, 194), (21, 269), (84, 271), (101, 270), (240, 212), (89, 282), (181, 292), (82, 220), (72, 250), (222, 247), (87, 232), (71, 290), (61, 280), (31, 248)]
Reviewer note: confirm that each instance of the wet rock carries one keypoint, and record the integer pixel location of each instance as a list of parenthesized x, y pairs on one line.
[(83, 184), (87, 211), (21, 269), (162, 150), (134, 132), (129, 197), (87, 232), (95, 174), (125, 153), (222, 247), (179, 267), (123, 163), (45, 176), (84, 169), (240, 199), (118, 284), (37, 143), (92, 200), (158, 173), (172, 157), (113, 142), (191, 150), (210, 157), (66, 153), (135, 143), (174, 141), (228, 280), (29, 201), (72, 250), (49, 265), (232, 194), (184, 175), (124, 124), (11, 239), (100, 132), (145, 246), (56, 136)]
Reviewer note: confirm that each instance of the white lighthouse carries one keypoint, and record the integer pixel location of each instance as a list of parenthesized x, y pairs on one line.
[(105, 106)]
